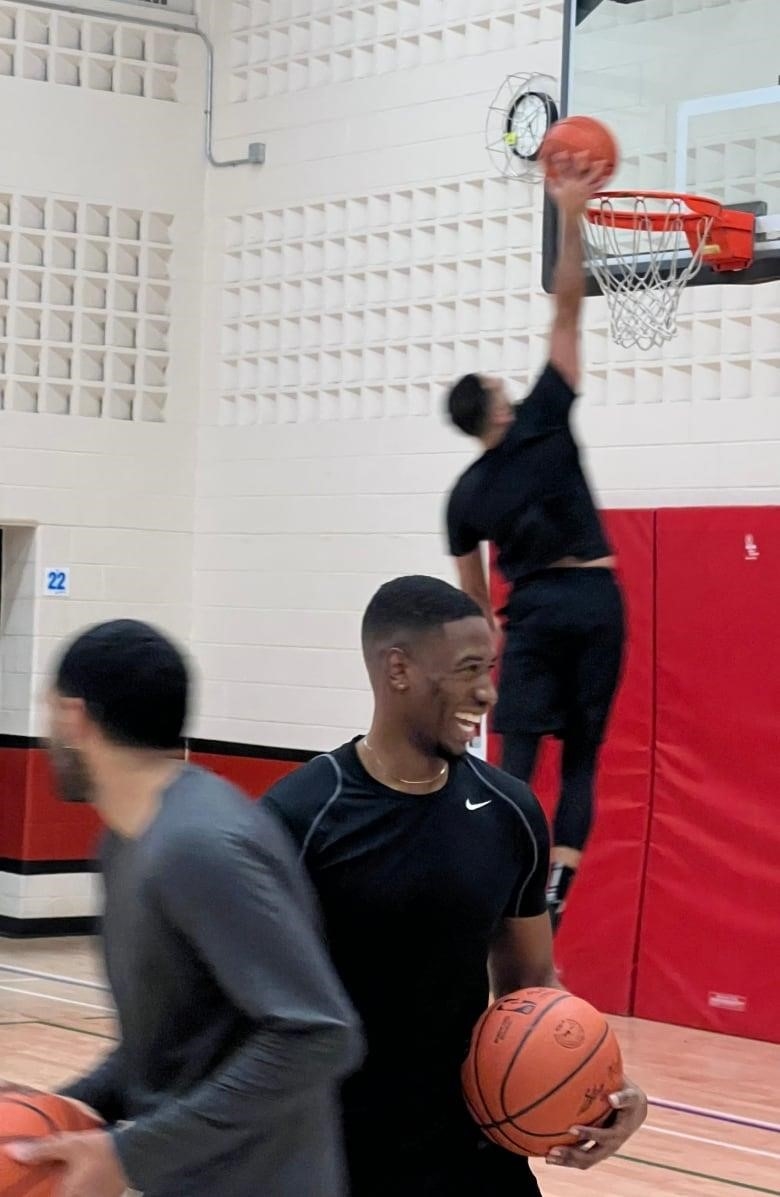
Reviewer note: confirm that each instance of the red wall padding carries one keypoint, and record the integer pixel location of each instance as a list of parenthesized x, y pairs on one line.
[(597, 943), (13, 801), (676, 911), (56, 830), (708, 950), (254, 775), (35, 825)]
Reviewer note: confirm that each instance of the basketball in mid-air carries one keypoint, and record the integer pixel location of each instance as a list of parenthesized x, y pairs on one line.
[(541, 1061), (581, 135), (29, 1115)]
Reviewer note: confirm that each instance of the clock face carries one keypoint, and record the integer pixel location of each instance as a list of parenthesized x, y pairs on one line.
[(528, 119)]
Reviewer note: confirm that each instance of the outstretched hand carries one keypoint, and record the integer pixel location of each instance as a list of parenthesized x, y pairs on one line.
[(573, 180)]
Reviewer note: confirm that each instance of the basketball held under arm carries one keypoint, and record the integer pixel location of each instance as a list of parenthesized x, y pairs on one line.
[(521, 956)]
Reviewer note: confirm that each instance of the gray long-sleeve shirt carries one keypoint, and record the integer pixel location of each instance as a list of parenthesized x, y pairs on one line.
[(234, 1028)]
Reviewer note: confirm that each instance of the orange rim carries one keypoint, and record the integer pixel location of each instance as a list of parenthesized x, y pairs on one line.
[(700, 207)]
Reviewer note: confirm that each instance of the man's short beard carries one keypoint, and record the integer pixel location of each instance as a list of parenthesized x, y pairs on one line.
[(74, 783)]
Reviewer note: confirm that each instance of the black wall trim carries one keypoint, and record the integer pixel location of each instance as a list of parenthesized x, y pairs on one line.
[(42, 868), (19, 741), (256, 751), (47, 928), (211, 747)]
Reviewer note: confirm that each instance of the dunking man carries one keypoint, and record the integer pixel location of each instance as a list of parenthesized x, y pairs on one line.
[(527, 494)]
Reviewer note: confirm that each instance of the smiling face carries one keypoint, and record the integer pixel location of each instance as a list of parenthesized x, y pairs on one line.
[(445, 681)]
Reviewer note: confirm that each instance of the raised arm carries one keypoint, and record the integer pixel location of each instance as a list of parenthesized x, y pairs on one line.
[(576, 181)]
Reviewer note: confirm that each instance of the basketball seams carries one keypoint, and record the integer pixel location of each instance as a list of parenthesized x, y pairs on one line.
[(556, 1088), (51, 1125), (510, 1118), (562, 995), (497, 1128), (493, 1062), (75, 1120), (28, 1185), (521, 1149), (509, 1144), (473, 1059), (548, 1134)]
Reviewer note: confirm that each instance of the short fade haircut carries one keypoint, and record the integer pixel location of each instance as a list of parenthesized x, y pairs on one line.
[(132, 680), (414, 606), (468, 405)]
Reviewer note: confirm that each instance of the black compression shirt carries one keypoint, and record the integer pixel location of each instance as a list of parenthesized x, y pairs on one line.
[(412, 890), (529, 495)]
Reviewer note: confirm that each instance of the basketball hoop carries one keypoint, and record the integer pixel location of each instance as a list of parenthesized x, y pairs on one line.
[(645, 246)]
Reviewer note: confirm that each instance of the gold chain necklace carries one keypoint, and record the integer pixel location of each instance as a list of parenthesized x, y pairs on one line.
[(405, 781)]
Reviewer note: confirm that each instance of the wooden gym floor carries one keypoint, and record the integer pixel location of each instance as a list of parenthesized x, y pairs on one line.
[(50, 1030)]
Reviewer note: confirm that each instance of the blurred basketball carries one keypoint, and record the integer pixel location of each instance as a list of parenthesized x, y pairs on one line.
[(541, 1061), (25, 1115), (581, 135)]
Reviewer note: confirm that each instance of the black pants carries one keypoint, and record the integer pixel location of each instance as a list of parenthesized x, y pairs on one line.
[(493, 1172), (425, 1144), (559, 673)]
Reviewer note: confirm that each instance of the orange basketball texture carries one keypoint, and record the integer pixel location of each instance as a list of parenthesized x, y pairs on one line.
[(581, 135), (26, 1115), (541, 1061)]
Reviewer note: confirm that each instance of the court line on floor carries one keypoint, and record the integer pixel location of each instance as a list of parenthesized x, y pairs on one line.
[(62, 1026), (662, 1130), (52, 998), (659, 1103), (33, 975), (717, 1115), (58, 1026), (720, 1180)]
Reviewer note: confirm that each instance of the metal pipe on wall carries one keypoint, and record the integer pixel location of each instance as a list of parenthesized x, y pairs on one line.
[(256, 154)]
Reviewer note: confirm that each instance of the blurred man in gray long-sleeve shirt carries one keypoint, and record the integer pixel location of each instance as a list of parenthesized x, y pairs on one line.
[(234, 1029)]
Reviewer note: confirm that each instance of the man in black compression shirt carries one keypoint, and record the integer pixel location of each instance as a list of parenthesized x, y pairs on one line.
[(234, 1029), (528, 495), (430, 867)]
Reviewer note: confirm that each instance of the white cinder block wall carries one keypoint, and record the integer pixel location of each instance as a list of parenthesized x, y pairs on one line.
[(375, 258), (101, 189), (345, 283)]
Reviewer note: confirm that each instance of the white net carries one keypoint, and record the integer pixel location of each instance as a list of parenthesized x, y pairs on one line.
[(643, 250)]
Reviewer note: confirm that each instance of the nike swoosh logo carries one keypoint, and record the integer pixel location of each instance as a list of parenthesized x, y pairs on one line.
[(477, 805)]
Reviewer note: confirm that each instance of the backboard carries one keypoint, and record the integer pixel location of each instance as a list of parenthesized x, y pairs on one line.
[(691, 89)]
